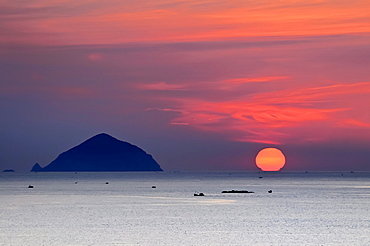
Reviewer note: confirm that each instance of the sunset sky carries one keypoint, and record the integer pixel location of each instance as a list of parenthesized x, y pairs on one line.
[(200, 85)]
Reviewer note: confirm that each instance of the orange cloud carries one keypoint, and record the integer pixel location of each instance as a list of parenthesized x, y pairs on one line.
[(256, 79), (180, 123), (91, 22)]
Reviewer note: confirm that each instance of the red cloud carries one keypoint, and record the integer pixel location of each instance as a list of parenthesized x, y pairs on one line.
[(275, 117)]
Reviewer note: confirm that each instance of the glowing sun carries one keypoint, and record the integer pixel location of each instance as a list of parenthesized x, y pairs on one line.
[(270, 159)]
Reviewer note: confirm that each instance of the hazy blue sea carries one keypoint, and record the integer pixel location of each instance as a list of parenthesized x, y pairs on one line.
[(303, 209)]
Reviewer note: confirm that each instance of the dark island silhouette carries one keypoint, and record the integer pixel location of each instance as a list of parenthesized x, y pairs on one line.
[(8, 171), (102, 153)]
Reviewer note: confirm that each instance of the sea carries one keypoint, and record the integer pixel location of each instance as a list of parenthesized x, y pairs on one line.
[(150, 208)]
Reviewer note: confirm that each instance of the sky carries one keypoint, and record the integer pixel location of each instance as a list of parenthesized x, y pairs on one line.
[(200, 85)]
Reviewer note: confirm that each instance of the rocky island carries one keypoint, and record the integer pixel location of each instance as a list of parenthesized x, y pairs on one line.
[(8, 171), (101, 153)]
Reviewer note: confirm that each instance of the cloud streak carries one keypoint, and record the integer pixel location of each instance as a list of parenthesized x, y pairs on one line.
[(160, 86), (89, 22), (274, 117)]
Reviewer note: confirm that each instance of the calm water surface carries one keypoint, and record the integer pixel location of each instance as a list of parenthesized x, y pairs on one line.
[(303, 209)]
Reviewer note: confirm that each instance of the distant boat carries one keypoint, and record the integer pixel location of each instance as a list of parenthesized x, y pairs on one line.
[(199, 194), (237, 191)]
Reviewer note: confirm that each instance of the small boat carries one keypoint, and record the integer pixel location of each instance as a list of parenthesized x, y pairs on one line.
[(199, 194), (237, 191)]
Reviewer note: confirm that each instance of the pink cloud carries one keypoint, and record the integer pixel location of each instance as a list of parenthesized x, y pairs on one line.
[(354, 123), (256, 79), (160, 86), (94, 57), (274, 117), (180, 123)]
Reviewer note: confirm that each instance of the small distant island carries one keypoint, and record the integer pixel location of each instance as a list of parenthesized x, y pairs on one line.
[(237, 191), (8, 171), (101, 153)]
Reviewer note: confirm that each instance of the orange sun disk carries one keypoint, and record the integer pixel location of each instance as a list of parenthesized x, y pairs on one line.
[(270, 159)]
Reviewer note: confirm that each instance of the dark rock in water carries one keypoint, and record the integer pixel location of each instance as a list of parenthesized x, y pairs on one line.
[(8, 171), (236, 191), (102, 153)]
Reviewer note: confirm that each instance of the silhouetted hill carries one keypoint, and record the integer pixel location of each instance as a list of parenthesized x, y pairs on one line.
[(36, 168), (101, 153)]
